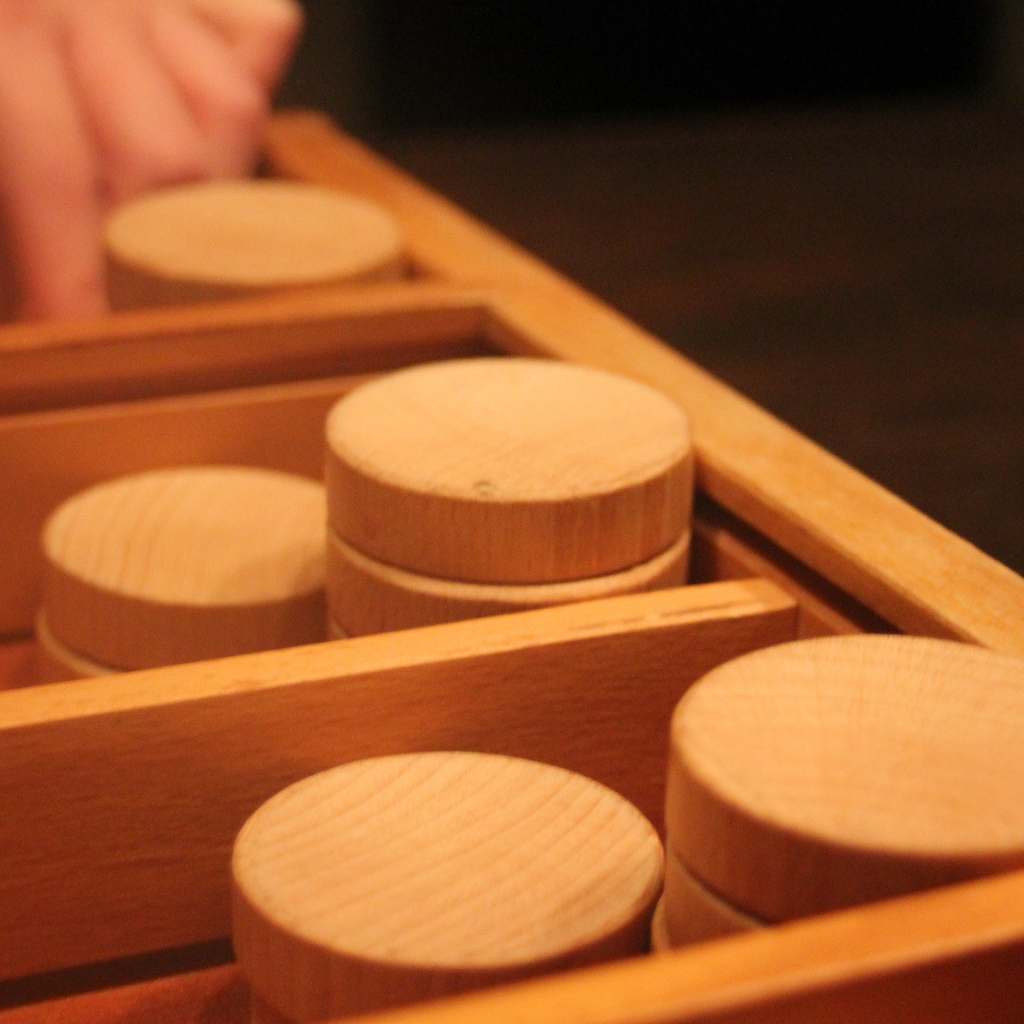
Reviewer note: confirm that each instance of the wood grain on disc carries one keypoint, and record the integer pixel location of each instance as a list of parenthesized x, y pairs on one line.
[(184, 564), (830, 772), (502, 470), (406, 877), (222, 239), (367, 596)]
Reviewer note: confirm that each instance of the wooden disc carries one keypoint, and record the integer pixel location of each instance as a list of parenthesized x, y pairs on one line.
[(826, 773), (500, 470), (222, 239), (367, 596), (402, 878), (57, 663), (184, 564), (692, 912)]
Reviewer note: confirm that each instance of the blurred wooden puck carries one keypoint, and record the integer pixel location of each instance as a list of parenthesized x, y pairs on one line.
[(224, 239), (183, 564), (660, 942), (402, 878), (507, 470), (367, 596), (692, 912), (57, 663), (831, 772)]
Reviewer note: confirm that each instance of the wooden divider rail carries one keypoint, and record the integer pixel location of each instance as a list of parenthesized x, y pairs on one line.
[(120, 796)]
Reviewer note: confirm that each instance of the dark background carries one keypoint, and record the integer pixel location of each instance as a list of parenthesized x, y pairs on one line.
[(385, 67)]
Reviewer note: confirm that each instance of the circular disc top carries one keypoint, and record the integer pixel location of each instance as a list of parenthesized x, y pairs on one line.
[(833, 771), (253, 234), (186, 564), (447, 863), (196, 535), (529, 470)]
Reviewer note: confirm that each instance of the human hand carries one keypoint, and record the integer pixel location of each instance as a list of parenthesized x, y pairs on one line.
[(103, 100)]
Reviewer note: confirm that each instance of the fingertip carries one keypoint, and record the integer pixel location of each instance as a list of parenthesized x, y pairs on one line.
[(227, 105), (263, 33), (49, 179)]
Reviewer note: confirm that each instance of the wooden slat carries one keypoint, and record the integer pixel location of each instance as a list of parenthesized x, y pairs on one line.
[(310, 333), (891, 558), (120, 797)]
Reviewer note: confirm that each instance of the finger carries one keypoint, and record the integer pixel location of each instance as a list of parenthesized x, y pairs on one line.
[(49, 178), (262, 33), (227, 105), (143, 131)]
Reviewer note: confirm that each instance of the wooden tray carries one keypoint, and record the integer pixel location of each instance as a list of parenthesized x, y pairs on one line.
[(119, 797)]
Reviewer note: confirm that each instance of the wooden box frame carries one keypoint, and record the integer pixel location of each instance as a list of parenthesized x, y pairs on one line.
[(119, 797)]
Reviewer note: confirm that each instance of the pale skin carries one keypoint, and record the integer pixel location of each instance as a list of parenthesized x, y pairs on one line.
[(104, 100)]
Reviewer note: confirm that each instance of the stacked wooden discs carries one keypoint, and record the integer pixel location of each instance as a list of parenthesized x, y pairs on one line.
[(180, 565), (481, 486), (403, 878), (826, 773), (214, 240)]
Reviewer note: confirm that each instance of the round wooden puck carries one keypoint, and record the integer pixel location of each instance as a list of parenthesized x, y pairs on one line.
[(367, 596), (826, 773), (57, 663), (692, 912), (403, 878), (223, 239), (508, 470), (183, 564)]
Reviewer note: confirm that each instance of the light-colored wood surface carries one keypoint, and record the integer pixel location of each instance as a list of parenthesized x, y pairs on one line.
[(187, 563), (395, 879), (222, 239), (865, 540), (265, 339), (56, 663), (946, 956), (842, 770), (47, 457), (508, 471), (692, 912), (367, 596), (153, 773)]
